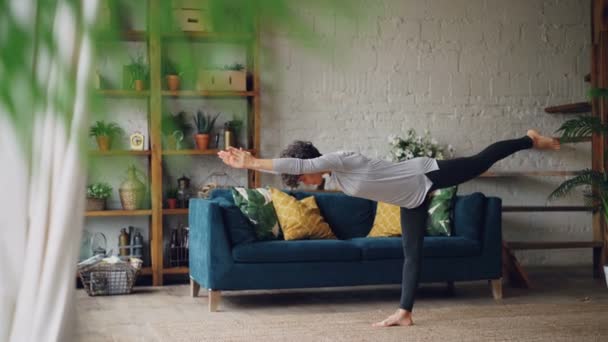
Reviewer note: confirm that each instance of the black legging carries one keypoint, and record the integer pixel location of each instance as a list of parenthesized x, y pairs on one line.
[(451, 172)]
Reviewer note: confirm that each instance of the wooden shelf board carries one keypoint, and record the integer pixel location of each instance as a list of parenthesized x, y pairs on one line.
[(208, 93), (113, 213), (120, 153), (553, 244), (176, 270), (209, 36), (129, 36), (146, 271), (196, 152), (180, 211), (124, 93), (533, 208), (571, 108), (577, 140)]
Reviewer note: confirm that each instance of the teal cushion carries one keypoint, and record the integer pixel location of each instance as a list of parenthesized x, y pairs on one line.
[(281, 251), (349, 217), (239, 228), (434, 246), (469, 213)]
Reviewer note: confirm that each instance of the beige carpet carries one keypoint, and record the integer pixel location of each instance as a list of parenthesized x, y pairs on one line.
[(563, 306)]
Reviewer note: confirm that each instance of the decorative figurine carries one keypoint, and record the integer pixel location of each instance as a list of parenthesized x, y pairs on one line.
[(183, 192)]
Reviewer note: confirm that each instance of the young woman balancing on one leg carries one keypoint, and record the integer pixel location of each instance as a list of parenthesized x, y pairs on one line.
[(405, 184)]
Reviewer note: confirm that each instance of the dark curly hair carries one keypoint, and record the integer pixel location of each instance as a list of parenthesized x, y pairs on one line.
[(301, 150)]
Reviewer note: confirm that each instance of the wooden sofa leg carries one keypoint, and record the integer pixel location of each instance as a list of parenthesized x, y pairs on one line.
[(215, 297), (194, 288), (496, 288)]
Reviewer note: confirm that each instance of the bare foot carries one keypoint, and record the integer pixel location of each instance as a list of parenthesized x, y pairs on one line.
[(401, 317), (542, 142)]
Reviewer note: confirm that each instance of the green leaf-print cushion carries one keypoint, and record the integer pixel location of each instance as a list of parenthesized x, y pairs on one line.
[(256, 204), (440, 212)]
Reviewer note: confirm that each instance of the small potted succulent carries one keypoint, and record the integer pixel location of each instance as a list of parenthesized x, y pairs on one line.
[(97, 194), (204, 124), (105, 133), (138, 73), (171, 196), (172, 75)]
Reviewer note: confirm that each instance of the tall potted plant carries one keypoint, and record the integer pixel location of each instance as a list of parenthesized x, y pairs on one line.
[(204, 124), (105, 133), (97, 194), (138, 73), (583, 127), (172, 75)]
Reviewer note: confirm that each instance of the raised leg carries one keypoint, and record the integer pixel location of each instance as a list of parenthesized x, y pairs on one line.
[(496, 288), (194, 288), (215, 297)]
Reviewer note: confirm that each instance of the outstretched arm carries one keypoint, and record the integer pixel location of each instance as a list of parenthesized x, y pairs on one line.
[(238, 158)]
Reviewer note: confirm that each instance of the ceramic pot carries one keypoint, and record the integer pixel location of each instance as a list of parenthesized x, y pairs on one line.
[(171, 203), (202, 141), (104, 143), (139, 85), (173, 82)]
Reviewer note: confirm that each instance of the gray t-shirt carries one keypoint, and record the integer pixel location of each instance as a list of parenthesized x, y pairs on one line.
[(401, 183)]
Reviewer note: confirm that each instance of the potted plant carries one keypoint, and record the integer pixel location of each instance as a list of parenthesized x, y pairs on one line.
[(174, 129), (97, 194), (137, 72), (172, 75), (171, 196), (204, 124), (105, 133)]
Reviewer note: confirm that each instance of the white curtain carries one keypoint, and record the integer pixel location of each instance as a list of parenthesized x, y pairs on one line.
[(42, 185)]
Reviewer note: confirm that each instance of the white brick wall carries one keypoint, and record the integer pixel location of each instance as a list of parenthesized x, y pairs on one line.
[(470, 71)]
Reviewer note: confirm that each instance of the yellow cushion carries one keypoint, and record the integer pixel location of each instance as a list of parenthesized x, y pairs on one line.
[(387, 221), (299, 219)]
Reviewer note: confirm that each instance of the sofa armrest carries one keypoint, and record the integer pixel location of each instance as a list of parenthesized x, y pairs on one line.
[(210, 251), (492, 236)]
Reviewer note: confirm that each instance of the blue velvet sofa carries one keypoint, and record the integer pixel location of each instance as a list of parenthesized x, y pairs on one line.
[(473, 252)]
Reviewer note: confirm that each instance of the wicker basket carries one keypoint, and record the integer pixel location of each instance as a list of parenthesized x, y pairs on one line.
[(95, 204), (104, 279)]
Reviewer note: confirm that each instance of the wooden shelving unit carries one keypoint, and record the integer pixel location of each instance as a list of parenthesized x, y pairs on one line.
[(598, 77), (156, 38)]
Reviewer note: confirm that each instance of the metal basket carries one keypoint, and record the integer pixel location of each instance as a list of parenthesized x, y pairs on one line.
[(104, 279)]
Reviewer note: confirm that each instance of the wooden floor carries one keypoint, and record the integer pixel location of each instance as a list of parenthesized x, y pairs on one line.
[(566, 304)]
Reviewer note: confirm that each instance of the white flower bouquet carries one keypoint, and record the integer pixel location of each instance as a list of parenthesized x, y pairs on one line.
[(413, 146)]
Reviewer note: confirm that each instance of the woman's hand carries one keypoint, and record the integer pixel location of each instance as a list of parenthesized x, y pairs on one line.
[(236, 158)]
